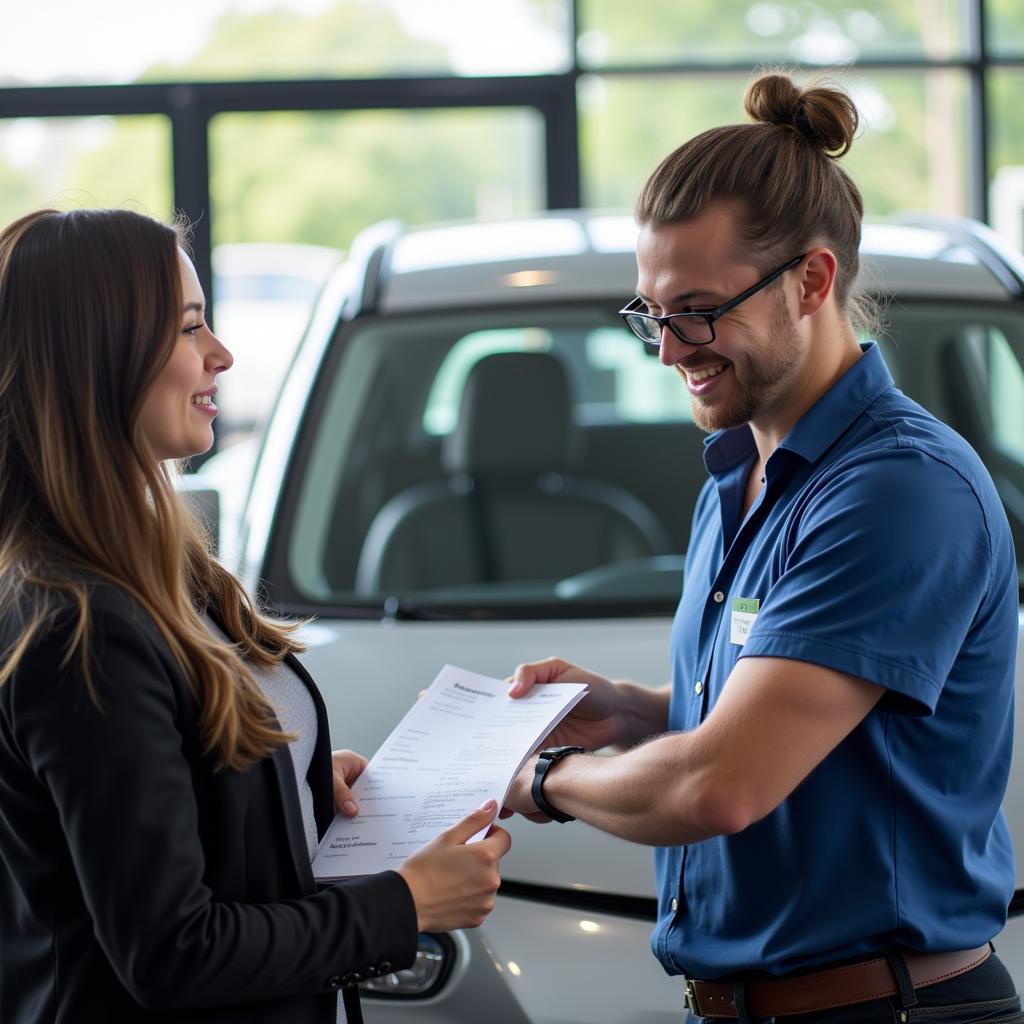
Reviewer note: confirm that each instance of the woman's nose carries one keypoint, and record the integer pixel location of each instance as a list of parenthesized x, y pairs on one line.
[(219, 355)]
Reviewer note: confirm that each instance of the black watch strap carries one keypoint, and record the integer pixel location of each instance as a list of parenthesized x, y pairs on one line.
[(545, 759)]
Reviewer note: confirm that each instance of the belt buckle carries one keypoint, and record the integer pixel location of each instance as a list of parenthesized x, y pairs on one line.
[(691, 999)]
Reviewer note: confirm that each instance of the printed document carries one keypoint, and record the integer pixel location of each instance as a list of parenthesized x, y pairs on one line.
[(459, 745)]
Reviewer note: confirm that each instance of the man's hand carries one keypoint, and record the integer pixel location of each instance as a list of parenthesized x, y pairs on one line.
[(348, 766), (611, 714), (593, 723), (774, 722)]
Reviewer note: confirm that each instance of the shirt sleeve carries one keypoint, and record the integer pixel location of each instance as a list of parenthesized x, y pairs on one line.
[(885, 566), (121, 785)]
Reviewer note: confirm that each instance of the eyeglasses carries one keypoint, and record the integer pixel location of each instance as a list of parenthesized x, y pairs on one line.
[(693, 328)]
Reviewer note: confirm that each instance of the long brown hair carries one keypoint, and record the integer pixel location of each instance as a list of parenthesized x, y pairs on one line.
[(783, 170), (90, 306)]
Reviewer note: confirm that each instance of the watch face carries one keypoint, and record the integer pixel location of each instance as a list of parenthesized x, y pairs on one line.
[(555, 752)]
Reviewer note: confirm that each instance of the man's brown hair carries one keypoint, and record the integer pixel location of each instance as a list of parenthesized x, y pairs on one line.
[(782, 169)]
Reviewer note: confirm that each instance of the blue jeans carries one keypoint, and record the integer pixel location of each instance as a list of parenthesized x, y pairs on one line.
[(985, 994)]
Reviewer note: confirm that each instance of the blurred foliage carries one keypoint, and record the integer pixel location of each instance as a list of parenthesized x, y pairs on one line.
[(825, 31), (89, 161), (320, 177), (1006, 104), (1004, 26), (911, 150), (355, 38)]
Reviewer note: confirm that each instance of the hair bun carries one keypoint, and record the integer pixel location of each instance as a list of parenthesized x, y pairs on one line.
[(826, 117)]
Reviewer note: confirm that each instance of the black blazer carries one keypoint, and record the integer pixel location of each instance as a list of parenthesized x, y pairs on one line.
[(139, 884)]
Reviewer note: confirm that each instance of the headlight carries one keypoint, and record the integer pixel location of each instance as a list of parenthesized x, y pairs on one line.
[(435, 955)]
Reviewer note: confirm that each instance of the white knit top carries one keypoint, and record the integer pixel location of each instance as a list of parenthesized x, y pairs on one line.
[(287, 695)]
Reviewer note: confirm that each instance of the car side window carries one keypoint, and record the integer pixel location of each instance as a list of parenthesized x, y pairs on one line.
[(441, 411), (614, 379), (1006, 394)]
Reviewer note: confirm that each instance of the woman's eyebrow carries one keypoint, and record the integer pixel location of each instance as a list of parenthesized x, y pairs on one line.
[(189, 306)]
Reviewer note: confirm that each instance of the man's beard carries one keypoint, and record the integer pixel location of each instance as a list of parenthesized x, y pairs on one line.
[(765, 378)]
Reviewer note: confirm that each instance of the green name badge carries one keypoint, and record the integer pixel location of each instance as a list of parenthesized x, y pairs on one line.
[(744, 615)]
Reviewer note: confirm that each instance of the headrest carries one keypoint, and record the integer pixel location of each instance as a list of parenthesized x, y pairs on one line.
[(515, 417)]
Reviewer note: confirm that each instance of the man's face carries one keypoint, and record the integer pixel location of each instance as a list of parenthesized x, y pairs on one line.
[(757, 362)]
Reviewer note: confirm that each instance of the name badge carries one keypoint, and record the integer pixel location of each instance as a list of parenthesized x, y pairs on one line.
[(744, 615)]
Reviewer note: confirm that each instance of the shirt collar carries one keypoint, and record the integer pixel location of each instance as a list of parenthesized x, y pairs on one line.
[(819, 428)]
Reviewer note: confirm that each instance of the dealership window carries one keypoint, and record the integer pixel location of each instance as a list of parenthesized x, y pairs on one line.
[(218, 40), (648, 32), (290, 190), (911, 151), (604, 89), (85, 161)]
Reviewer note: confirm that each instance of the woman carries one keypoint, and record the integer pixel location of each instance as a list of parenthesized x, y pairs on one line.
[(165, 768)]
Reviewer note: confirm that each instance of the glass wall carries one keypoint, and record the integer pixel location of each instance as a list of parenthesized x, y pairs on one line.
[(709, 32), (912, 150), (1004, 24), (290, 190), (322, 177), (1006, 139), (124, 41), (85, 161)]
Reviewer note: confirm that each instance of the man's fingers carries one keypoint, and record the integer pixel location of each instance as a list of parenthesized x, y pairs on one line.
[(521, 681), (528, 675), (463, 831)]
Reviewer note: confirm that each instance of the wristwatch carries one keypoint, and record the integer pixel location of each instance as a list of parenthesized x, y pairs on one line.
[(545, 759)]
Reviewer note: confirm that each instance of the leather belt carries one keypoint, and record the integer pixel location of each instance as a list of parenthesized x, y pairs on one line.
[(829, 988)]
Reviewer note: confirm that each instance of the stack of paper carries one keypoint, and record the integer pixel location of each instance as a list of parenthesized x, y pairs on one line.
[(462, 743)]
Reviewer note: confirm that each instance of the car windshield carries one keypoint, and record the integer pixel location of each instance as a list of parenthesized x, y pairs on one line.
[(522, 461)]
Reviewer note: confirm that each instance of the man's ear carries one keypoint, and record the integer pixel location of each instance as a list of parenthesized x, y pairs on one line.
[(817, 278)]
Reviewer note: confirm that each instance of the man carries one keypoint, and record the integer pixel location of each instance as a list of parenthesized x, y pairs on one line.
[(823, 778)]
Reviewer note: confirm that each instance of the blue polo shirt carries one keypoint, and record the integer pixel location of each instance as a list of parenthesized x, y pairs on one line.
[(879, 548)]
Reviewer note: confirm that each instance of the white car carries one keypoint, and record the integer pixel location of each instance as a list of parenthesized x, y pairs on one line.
[(473, 461)]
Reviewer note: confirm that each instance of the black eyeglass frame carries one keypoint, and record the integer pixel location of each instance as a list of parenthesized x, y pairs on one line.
[(709, 318)]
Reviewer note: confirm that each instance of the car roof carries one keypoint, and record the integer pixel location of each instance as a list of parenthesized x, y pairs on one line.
[(567, 255)]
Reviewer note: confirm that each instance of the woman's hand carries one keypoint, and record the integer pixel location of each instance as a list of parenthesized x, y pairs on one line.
[(348, 766), (453, 884), (595, 722)]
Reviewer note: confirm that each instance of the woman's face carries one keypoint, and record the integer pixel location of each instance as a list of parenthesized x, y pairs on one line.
[(177, 415)]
